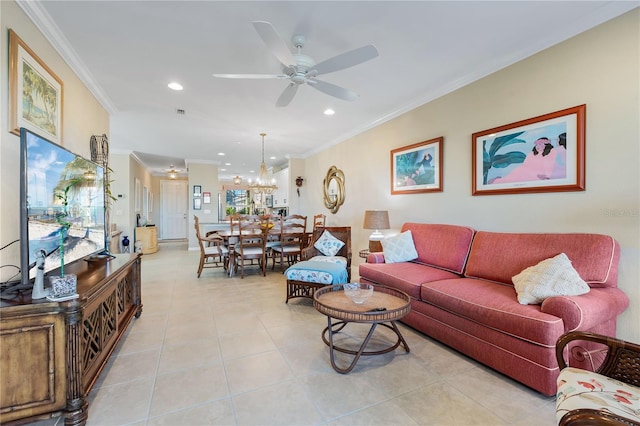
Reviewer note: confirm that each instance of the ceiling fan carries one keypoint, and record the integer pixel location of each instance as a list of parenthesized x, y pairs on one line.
[(301, 69)]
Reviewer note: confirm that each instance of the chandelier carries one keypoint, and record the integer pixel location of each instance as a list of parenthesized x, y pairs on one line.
[(265, 184), (237, 180)]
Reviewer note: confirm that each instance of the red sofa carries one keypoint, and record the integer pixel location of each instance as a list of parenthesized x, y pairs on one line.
[(462, 294)]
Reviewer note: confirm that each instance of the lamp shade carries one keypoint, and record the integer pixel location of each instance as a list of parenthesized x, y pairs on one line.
[(376, 219)]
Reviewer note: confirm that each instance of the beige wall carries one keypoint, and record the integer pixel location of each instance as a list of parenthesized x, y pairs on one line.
[(83, 117), (205, 175), (599, 68)]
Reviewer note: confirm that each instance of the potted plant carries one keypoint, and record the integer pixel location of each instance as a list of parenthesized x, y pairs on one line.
[(64, 285)]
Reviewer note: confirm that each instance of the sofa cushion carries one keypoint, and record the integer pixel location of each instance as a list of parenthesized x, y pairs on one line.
[(443, 246), (328, 245), (399, 248), (495, 306), (499, 256), (551, 277), (406, 276)]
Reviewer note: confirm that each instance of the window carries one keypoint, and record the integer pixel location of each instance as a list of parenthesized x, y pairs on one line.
[(238, 201)]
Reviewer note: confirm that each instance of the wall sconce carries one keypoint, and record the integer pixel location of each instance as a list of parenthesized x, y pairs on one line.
[(299, 181)]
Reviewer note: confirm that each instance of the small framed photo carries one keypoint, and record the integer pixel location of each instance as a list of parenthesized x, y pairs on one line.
[(540, 154), (197, 203), (417, 168), (206, 197), (197, 190)]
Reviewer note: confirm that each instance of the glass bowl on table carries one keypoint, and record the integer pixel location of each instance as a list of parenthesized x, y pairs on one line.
[(359, 293)]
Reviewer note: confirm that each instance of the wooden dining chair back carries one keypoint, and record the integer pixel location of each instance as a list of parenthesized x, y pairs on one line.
[(252, 242), (292, 240), (213, 252), (319, 221)]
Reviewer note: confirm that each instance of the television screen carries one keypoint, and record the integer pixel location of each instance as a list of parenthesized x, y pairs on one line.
[(58, 188)]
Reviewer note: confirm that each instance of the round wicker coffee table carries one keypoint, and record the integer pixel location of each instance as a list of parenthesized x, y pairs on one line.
[(384, 307)]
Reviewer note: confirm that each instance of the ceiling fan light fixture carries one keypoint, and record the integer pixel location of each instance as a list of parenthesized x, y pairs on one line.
[(172, 173)]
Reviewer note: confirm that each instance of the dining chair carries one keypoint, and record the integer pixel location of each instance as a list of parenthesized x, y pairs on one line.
[(252, 242), (292, 240), (319, 221), (213, 252)]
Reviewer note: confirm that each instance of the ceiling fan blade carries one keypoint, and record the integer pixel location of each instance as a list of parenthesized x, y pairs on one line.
[(347, 59), (287, 95), (259, 76), (333, 90), (274, 42)]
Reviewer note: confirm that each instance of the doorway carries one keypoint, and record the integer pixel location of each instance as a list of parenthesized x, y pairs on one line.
[(174, 207)]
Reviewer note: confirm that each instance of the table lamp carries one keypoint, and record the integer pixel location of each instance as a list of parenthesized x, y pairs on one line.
[(377, 220)]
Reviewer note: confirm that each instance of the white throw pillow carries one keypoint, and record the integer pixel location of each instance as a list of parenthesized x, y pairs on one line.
[(328, 244), (551, 277), (399, 248)]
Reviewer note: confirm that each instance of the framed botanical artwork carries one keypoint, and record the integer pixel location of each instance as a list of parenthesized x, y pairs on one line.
[(541, 154), (35, 93), (417, 168)]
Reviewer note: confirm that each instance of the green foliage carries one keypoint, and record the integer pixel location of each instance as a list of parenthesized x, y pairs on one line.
[(61, 217), (492, 159)]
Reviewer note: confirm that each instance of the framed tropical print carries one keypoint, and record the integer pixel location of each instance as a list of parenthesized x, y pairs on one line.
[(35, 93), (540, 154), (417, 168)]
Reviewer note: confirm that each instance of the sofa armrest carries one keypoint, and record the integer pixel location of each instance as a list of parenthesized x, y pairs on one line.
[(586, 311), (377, 257)]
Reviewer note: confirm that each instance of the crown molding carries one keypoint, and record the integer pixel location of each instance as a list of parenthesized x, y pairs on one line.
[(42, 20)]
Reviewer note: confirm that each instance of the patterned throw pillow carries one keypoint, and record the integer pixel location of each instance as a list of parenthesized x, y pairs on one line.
[(550, 277), (399, 248), (328, 244)]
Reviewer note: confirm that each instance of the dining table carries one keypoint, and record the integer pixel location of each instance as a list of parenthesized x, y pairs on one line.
[(231, 236)]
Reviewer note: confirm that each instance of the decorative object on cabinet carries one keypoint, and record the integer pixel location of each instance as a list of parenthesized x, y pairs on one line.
[(417, 168), (265, 183), (376, 220), (28, 75), (540, 154), (333, 189)]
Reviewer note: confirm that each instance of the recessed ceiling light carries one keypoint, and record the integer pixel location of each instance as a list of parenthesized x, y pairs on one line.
[(221, 153), (174, 86), (272, 158), (223, 170), (227, 164), (329, 111)]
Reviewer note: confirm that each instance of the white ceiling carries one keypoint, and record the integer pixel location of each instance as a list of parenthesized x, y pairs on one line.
[(127, 52)]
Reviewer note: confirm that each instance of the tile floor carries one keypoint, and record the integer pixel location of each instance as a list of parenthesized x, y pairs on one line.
[(220, 351)]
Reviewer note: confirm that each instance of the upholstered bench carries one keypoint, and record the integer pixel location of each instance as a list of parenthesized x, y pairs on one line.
[(304, 278), (610, 395)]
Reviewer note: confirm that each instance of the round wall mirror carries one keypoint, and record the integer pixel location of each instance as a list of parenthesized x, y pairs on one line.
[(333, 189)]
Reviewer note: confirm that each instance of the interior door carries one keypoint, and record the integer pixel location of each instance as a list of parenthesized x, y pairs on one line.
[(174, 206)]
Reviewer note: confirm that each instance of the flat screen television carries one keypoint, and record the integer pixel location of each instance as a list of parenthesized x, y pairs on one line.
[(46, 171)]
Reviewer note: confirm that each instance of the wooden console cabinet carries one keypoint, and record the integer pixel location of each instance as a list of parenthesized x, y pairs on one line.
[(148, 235), (51, 353)]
